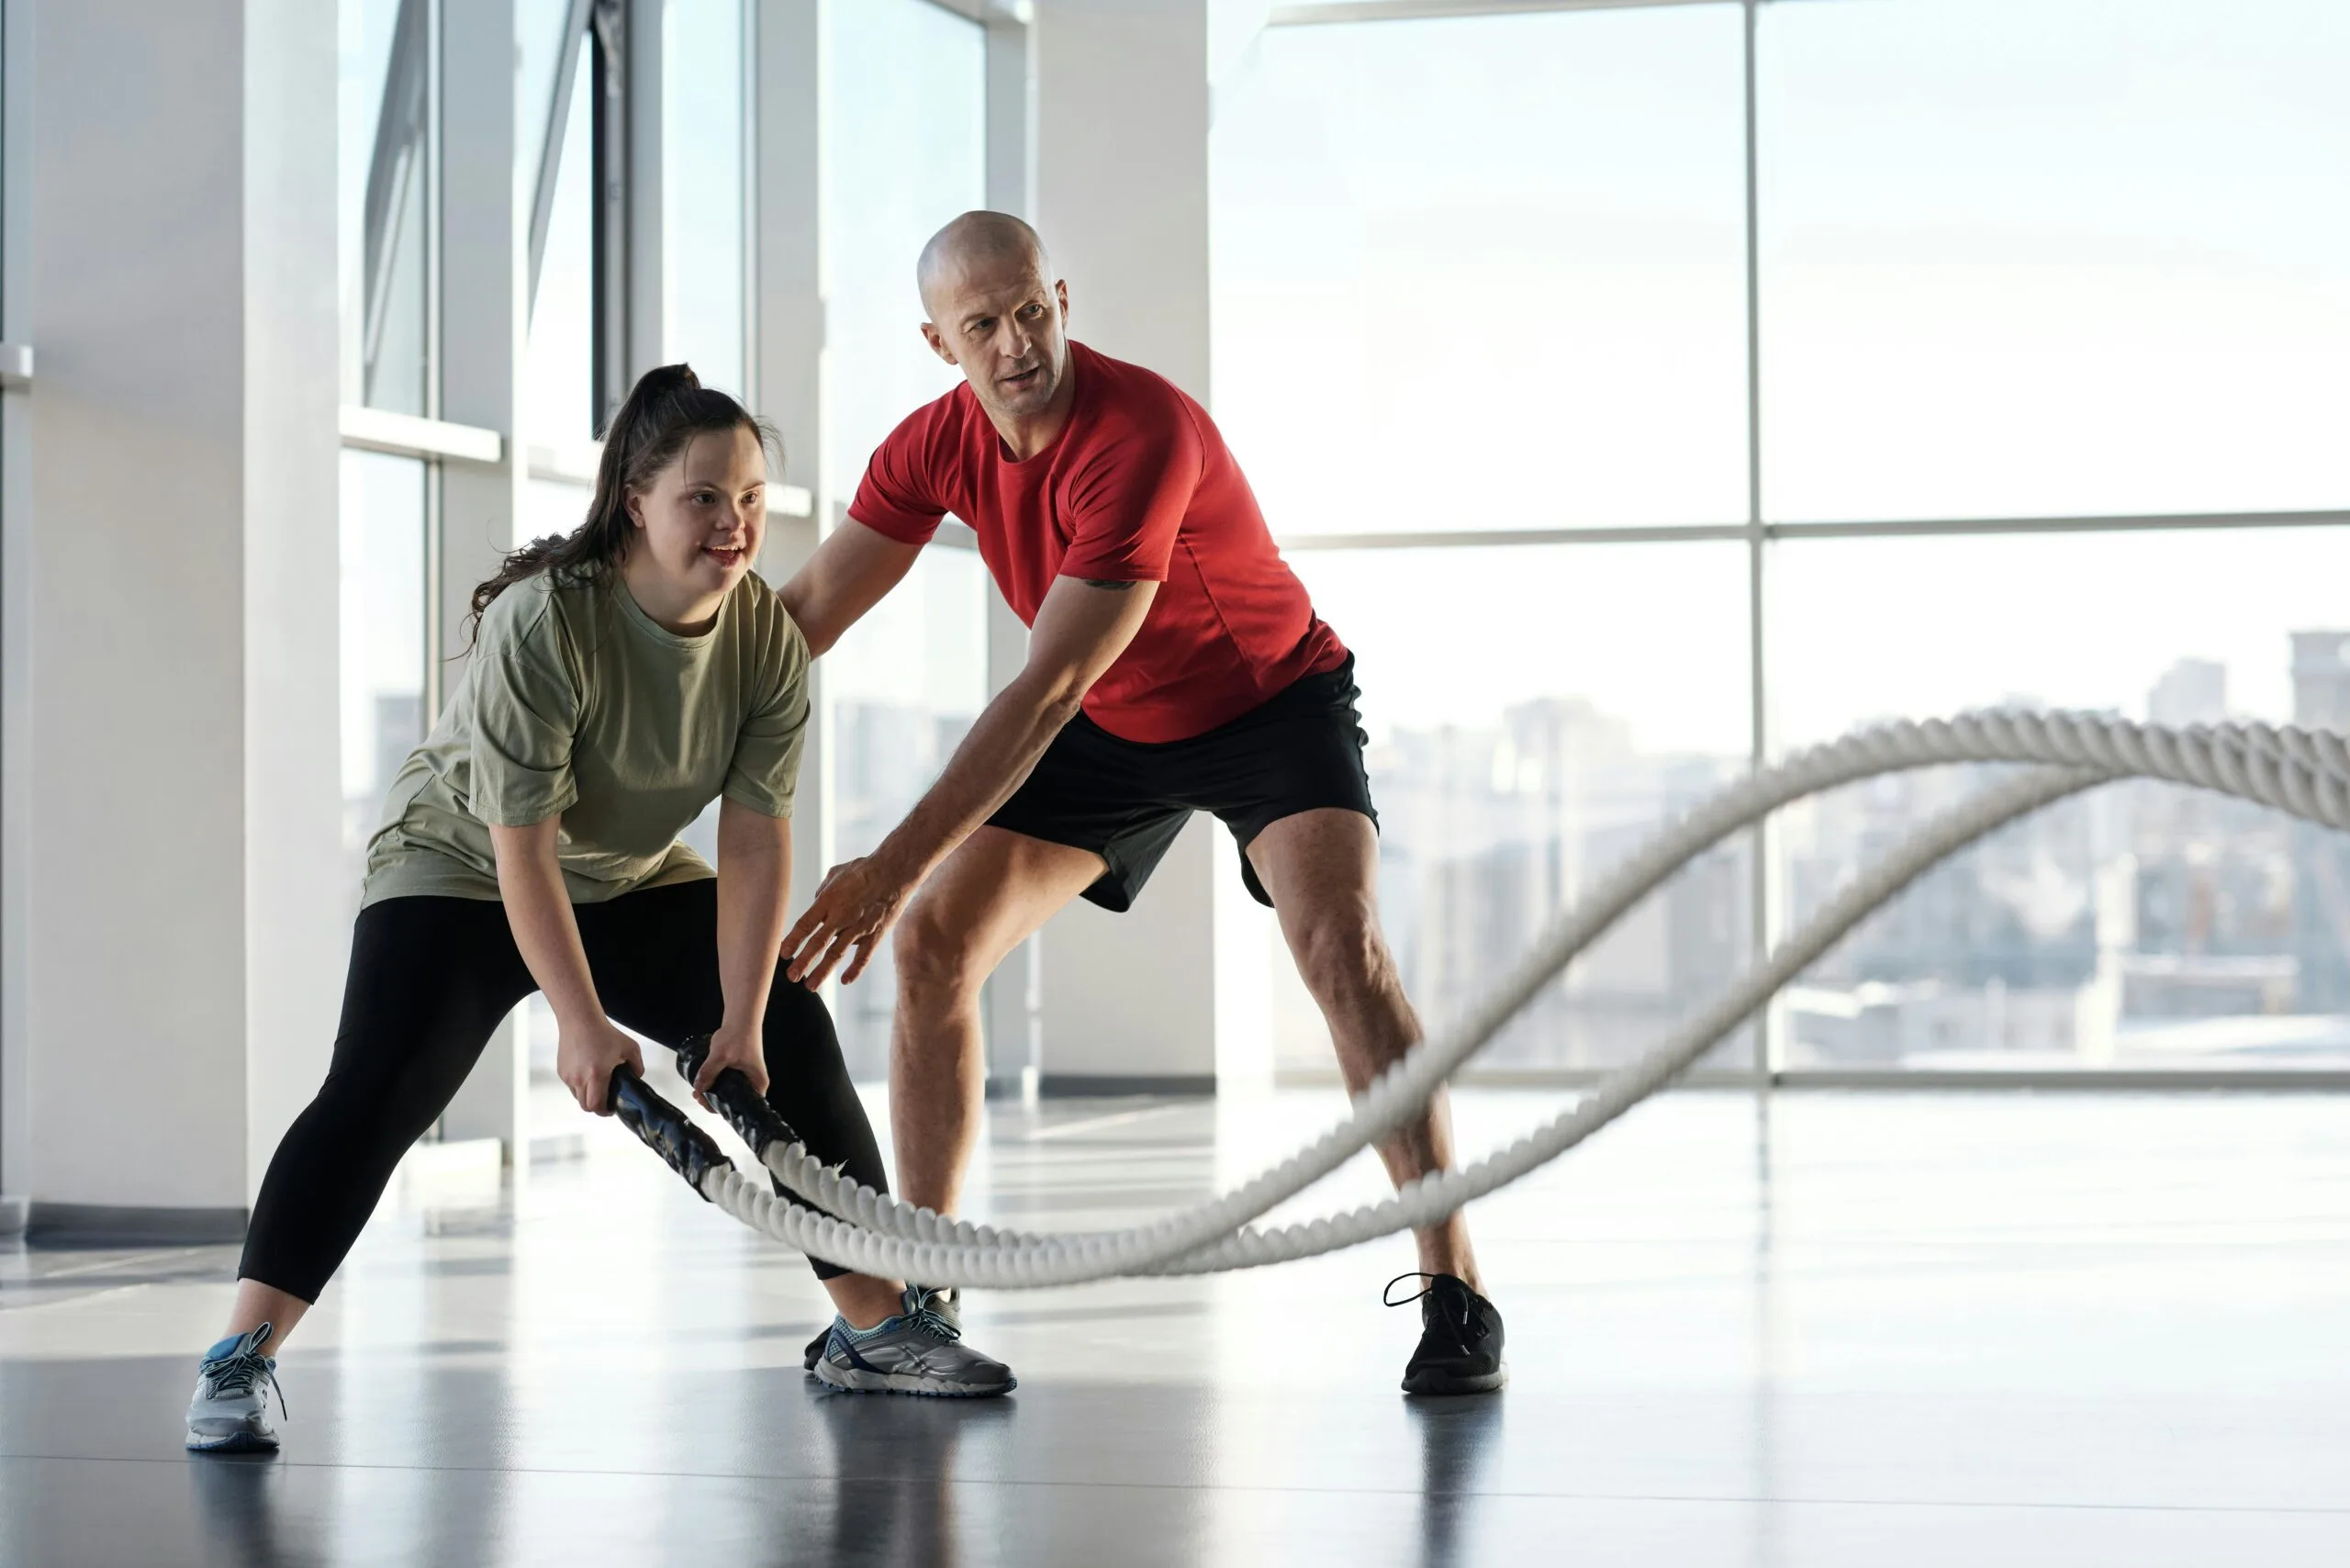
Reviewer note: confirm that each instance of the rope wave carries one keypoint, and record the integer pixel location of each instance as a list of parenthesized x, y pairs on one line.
[(2302, 773)]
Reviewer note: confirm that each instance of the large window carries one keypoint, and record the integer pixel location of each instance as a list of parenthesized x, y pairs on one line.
[(385, 201), (1503, 795), (382, 541), (2140, 927), (1485, 273), (905, 105), (386, 208), (2040, 257), (703, 275), (2023, 270)]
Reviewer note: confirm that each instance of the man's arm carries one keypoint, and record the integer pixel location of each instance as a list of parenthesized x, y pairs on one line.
[(1081, 629), (846, 577)]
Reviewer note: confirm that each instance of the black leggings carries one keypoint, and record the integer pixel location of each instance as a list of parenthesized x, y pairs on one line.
[(431, 977)]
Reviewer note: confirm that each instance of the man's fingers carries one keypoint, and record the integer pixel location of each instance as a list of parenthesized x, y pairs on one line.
[(799, 960), (831, 959), (811, 921), (864, 947)]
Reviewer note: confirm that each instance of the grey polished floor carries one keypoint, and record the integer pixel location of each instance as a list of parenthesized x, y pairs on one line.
[(1850, 1329)]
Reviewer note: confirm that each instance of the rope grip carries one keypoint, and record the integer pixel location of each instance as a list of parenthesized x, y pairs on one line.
[(665, 1130), (744, 1108)]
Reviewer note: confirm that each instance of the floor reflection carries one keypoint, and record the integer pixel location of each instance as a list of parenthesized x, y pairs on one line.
[(893, 1502), (1457, 1439), (2024, 1329)]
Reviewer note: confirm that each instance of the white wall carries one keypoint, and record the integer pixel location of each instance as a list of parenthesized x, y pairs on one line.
[(484, 325), (177, 283), (295, 950)]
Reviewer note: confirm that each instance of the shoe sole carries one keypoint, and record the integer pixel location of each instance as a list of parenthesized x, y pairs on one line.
[(235, 1443), (851, 1380), (1445, 1387)]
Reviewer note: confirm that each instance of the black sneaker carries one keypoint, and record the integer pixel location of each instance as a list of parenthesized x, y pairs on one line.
[(1460, 1338)]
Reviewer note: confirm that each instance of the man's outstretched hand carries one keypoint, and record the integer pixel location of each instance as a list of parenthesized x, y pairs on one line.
[(853, 908)]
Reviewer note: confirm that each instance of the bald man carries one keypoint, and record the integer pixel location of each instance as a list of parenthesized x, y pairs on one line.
[(1176, 665)]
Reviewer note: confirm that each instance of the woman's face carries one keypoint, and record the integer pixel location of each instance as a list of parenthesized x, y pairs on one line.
[(699, 523)]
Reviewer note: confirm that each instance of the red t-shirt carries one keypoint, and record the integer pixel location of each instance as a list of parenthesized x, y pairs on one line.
[(1137, 488)]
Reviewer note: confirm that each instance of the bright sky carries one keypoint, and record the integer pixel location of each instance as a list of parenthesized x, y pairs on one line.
[(904, 148), (2020, 257)]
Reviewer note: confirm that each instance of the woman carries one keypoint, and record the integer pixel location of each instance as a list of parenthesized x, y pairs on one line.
[(622, 678)]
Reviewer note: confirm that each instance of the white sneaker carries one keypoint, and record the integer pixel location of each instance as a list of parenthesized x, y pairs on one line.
[(229, 1414)]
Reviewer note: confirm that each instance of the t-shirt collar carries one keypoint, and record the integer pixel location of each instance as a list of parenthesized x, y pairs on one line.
[(1076, 412), (633, 613)]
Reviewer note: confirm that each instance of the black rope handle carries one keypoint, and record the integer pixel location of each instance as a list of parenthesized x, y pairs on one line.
[(744, 1108), (665, 1130)]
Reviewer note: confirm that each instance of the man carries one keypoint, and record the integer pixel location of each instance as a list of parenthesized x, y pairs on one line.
[(1175, 664)]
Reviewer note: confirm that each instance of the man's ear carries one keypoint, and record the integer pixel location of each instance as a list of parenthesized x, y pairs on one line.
[(937, 342)]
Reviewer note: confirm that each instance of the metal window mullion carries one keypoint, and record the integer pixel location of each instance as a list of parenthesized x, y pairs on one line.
[(434, 674), (1917, 528), (1318, 13), (1761, 911), (643, 284), (609, 264), (747, 84)]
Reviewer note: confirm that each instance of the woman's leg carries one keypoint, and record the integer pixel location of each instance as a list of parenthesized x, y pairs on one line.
[(808, 1085), (654, 954), (430, 979)]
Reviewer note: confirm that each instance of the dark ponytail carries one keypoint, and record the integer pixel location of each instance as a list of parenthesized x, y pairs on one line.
[(666, 409)]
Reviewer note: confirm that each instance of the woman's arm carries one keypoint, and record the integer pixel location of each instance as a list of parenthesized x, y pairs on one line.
[(530, 882), (754, 879)]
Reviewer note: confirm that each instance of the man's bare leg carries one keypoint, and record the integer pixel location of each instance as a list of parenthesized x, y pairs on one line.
[(1322, 868), (990, 895)]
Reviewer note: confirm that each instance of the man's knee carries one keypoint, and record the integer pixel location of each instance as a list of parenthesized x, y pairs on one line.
[(1342, 956), (938, 963)]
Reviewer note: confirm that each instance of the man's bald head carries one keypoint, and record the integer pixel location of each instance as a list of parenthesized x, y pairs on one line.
[(997, 313), (974, 242)]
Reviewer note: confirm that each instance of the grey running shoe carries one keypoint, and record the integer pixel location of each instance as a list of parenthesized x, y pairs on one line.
[(918, 1351), (946, 1301), (230, 1413), (1461, 1339)]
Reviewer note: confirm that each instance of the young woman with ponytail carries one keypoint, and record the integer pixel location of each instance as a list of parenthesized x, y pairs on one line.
[(622, 677)]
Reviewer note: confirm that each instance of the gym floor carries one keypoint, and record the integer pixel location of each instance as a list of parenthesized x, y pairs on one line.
[(1842, 1328)]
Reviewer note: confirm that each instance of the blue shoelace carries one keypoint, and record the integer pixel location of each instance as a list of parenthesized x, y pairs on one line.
[(242, 1373)]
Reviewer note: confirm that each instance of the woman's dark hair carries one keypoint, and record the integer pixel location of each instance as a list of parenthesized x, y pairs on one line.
[(665, 410)]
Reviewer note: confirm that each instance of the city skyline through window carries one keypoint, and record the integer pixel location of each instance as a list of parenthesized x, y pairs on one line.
[(2034, 261)]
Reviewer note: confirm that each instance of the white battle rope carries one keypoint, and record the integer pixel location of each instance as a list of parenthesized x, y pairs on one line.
[(2305, 774)]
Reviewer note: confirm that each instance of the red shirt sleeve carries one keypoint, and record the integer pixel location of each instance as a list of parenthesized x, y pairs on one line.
[(902, 494), (1128, 500)]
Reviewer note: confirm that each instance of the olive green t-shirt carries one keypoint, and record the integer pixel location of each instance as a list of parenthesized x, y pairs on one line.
[(577, 702)]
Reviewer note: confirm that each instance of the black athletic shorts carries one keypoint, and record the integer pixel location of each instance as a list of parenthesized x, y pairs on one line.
[(1127, 801)]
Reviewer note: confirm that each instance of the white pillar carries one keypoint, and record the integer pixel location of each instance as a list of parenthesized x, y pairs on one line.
[(484, 260), (297, 945), (15, 619), (1015, 995), (787, 331), (172, 780), (1121, 160)]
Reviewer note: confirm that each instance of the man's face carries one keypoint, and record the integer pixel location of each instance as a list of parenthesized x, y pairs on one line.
[(1006, 328)]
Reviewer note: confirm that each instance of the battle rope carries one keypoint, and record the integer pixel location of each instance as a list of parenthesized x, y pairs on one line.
[(2304, 773)]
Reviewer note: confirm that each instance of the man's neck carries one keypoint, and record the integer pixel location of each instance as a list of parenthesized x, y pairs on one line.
[(1028, 435)]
